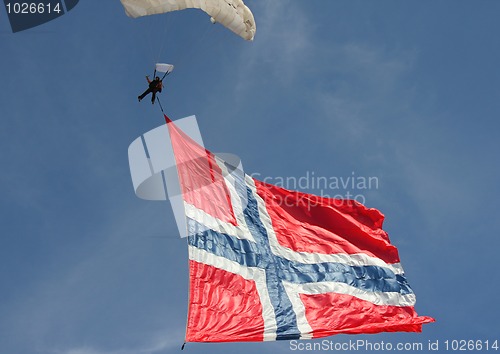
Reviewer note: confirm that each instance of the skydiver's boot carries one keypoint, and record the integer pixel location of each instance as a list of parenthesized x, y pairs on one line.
[(139, 98)]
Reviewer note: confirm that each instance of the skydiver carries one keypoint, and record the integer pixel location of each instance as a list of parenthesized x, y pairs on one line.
[(154, 86)]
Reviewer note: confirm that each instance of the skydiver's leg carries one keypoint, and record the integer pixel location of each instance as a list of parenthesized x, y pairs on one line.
[(145, 93), (153, 98)]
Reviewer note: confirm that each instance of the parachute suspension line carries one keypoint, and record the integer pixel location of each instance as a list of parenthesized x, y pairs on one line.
[(151, 30), (216, 42), (161, 107), (211, 42), (164, 76), (188, 49), (157, 25), (163, 39)]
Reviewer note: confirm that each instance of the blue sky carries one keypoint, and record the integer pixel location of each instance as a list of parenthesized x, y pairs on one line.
[(408, 93)]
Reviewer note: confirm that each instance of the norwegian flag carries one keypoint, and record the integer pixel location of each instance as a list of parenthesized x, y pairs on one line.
[(267, 263)]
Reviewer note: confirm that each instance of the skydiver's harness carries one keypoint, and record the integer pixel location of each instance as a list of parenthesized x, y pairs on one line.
[(156, 85), (159, 103), (153, 85)]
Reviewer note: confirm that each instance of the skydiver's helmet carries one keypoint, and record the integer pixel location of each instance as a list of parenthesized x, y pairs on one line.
[(157, 78)]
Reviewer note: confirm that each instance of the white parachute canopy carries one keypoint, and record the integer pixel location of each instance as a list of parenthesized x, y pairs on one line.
[(233, 14), (164, 68)]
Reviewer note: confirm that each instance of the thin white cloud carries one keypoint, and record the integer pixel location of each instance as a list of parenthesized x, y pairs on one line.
[(281, 46), (367, 88), (79, 289), (155, 344)]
